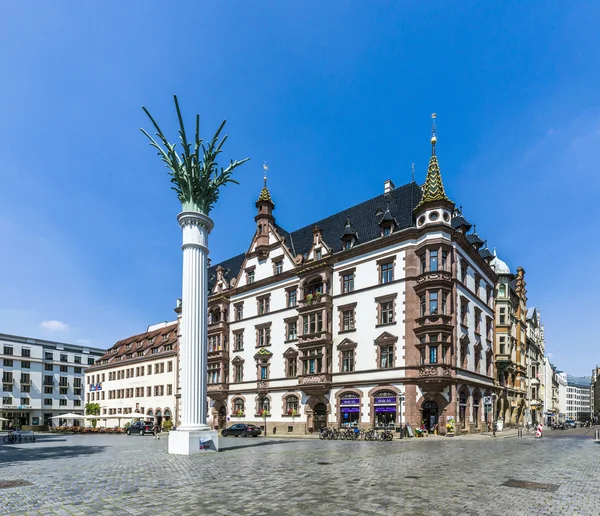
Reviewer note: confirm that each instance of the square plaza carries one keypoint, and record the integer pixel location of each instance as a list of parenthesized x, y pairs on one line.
[(276, 476)]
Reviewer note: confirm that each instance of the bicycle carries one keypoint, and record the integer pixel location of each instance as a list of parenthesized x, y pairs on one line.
[(12, 438)]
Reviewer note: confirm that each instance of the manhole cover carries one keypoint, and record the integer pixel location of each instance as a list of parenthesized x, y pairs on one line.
[(5, 484), (412, 476), (534, 486), (324, 463)]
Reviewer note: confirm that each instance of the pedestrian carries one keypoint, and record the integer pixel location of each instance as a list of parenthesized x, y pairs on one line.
[(156, 430)]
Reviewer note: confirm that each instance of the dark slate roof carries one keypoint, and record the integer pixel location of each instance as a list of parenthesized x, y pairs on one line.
[(485, 253), (459, 221), (402, 201), (232, 268), (475, 239)]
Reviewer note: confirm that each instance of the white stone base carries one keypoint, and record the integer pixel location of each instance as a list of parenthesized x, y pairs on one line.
[(191, 442)]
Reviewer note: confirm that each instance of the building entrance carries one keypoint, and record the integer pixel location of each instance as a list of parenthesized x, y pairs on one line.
[(430, 414), (320, 411)]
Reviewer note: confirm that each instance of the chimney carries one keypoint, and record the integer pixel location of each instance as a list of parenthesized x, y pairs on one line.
[(388, 186)]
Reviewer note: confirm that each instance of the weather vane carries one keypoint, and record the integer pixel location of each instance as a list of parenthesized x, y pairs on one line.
[(433, 136), (265, 167)]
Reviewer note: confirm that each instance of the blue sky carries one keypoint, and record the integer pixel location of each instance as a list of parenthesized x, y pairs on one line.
[(335, 94)]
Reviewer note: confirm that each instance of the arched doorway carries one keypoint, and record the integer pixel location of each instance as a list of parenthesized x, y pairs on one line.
[(431, 414), (320, 416), (158, 418)]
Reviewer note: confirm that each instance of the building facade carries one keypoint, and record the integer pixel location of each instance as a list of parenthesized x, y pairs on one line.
[(511, 344), (535, 354), (578, 395), (376, 316), (139, 374), (42, 379), (595, 394)]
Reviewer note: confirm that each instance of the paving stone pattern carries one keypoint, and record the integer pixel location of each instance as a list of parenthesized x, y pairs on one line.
[(121, 475)]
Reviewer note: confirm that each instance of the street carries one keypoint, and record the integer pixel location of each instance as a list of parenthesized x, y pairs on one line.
[(116, 474)]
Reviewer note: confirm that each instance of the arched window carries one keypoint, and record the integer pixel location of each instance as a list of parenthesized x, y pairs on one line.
[(292, 404), (238, 407), (502, 290), (167, 414), (150, 412), (263, 403)]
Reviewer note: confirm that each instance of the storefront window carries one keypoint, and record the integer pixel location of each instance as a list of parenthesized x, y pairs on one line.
[(349, 410), (385, 408)]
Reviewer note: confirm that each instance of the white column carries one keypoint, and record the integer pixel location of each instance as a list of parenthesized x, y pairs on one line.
[(193, 347)]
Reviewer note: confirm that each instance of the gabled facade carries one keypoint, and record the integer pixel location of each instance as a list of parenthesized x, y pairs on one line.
[(535, 351), (376, 316)]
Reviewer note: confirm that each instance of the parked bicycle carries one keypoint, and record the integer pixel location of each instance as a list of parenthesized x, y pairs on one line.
[(12, 438)]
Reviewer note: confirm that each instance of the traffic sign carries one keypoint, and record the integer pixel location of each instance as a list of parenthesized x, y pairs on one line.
[(487, 400)]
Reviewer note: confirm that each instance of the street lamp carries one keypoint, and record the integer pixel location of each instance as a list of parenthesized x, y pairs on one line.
[(400, 400), (265, 406), (494, 396)]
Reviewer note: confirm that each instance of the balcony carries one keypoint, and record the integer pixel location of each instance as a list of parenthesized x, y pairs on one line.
[(312, 338), (218, 391), (503, 360), (534, 382), (315, 383), (429, 374), (218, 355), (312, 301), (427, 278)]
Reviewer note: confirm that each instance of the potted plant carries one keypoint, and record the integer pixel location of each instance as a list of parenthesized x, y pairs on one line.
[(292, 412), (318, 295), (309, 299), (167, 426), (239, 413)]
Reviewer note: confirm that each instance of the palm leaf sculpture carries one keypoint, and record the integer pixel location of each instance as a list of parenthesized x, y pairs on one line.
[(195, 172)]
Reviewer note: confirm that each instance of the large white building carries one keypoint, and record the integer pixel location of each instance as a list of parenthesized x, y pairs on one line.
[(578, 397), (137, 375), (375, 316), (42, 379)]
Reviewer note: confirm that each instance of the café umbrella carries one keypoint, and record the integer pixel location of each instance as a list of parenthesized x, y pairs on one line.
[(69, 415)]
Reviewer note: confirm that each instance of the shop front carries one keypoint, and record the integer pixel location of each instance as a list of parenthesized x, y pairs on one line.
[(385, 409), (349, 410)]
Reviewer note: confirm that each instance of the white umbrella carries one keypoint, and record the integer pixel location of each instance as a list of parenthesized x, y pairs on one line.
[(4, 419), (69, 415)]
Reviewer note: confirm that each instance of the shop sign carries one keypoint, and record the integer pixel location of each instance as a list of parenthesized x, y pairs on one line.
[(385, 400), (385, 409), (24, 406), (95, 386), (350, 401), (350, 409), (9, 406)]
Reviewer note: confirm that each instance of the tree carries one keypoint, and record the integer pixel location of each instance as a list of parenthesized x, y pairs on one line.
[(92, 409), (195, 173)]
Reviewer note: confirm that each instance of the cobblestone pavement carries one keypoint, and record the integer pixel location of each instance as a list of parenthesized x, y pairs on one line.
[(121, 475)]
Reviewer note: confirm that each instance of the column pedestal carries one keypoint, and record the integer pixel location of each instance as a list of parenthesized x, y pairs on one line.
[(191, 442)]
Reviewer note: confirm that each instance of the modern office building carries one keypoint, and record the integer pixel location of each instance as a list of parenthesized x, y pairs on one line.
[(578, 397), (42, 379), (138, 374)]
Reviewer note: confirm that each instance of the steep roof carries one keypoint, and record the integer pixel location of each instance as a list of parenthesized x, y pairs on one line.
[(140, 345), (402, 202)]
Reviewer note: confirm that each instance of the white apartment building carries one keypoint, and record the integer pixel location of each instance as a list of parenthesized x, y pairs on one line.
[(578, 397), (42, 379), (137, 375)]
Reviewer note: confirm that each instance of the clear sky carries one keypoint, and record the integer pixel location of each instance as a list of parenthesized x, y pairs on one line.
[(336, 96)]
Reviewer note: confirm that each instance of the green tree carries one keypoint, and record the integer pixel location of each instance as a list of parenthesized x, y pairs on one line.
[(195, 172), (92, 409)]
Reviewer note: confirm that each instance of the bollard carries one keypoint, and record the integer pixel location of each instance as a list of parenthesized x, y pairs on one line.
[(597, 437)]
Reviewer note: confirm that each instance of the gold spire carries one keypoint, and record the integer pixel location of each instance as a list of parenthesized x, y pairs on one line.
[(264, 193), (433, 190)]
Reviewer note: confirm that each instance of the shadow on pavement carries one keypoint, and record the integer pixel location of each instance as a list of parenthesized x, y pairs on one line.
[(251, 444), (20, 453)]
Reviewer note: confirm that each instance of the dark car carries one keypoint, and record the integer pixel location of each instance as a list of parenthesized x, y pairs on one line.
[(242, 430), (140, 427)]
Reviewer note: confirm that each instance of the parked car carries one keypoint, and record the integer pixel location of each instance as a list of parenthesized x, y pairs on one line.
[(140, 427), (569, 423), (242, 430)]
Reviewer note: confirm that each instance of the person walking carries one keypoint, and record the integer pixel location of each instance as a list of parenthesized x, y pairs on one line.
[(156, 430)]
